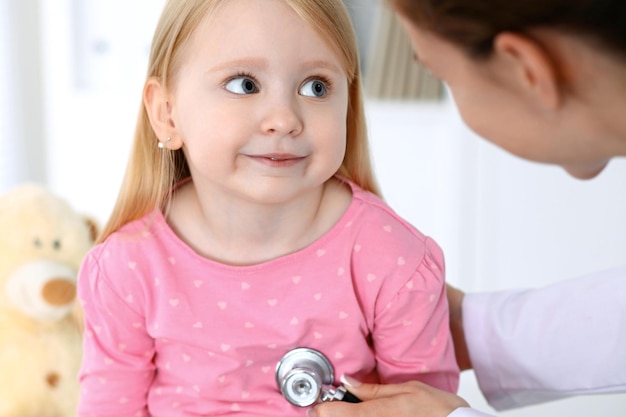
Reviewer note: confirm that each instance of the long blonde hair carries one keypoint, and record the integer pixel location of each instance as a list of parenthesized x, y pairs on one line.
[(152, 172)]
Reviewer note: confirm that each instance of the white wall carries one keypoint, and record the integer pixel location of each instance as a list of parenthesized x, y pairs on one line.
[(96, 55), (21, 109)]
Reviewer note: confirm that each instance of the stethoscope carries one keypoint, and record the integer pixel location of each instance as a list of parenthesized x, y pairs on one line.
[(305, 377)]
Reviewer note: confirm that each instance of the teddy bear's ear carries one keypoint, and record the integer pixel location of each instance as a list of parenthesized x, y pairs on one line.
[(94, 229)]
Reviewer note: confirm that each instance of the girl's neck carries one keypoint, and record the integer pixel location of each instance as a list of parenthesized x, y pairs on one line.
[(235, 232)]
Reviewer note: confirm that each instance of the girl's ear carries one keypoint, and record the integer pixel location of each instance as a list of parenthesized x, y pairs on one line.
[(159, 112), (533, 68)]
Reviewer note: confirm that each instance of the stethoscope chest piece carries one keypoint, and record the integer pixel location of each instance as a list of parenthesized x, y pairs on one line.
[(301, 375)]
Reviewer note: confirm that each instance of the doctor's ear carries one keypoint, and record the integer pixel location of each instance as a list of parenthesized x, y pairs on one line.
[(532, 66), (159, 110)]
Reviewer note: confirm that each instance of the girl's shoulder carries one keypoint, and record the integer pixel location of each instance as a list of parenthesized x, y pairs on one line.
[(381, 218), (141, 249), (380, 233), (389, 253), (138, 235)]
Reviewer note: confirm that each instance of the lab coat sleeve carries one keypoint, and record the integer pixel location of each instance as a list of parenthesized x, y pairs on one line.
[(468, 412), (544, 344)]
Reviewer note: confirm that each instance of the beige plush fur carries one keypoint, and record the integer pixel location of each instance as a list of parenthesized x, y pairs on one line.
[(42, 243)]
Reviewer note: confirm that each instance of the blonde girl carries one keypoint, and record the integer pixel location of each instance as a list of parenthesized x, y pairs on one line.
[(249, 224)]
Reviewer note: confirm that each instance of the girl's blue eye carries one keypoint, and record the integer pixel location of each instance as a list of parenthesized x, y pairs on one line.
[(242, 85), (314, 88)]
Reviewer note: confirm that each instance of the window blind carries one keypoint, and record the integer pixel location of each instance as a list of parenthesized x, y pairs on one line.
[(392, 72)]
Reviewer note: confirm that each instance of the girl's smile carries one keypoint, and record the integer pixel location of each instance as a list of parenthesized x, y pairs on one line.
[(278, 160)]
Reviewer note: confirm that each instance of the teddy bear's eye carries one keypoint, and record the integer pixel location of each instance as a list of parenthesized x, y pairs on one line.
[(56, 244), (37, 243)]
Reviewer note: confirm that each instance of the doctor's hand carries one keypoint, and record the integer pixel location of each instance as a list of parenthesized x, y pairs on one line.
[(409, 399)]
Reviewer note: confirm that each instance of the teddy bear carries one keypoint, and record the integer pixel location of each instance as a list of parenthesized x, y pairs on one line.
[(42, 243)]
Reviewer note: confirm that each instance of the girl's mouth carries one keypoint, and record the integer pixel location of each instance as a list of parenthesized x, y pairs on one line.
[(278, 161)]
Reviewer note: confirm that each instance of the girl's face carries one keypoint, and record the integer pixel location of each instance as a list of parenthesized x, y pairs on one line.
[(260, 102)]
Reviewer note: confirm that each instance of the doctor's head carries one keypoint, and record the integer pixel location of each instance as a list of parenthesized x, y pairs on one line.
[(543, 79)]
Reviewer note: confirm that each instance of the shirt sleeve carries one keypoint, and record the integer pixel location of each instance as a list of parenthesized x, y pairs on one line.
[(411, 330), (539, 345), (468, 412), (117, 366)]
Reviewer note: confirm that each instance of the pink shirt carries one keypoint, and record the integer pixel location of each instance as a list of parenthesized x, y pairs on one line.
[(171, 333)]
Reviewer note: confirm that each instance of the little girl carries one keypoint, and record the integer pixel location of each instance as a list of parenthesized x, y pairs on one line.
[(249, 224)]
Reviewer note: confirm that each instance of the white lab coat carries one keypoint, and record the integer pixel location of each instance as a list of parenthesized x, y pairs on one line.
[(545, 344)]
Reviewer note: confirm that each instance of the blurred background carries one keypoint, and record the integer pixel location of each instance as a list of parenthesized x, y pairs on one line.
[(71, 75)]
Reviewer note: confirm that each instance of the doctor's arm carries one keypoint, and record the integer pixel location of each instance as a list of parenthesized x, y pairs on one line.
[(526, 347), (544, 344)]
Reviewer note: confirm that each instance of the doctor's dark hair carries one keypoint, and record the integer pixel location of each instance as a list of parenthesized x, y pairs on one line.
[(152, 173), (473, 24)]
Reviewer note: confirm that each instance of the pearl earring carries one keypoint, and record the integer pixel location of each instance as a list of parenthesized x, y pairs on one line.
[(161, 145)]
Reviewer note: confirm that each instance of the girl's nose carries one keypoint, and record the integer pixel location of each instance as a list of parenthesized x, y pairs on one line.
[(282, 119)]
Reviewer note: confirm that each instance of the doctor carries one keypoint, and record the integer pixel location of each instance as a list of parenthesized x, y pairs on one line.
[(544, 80)]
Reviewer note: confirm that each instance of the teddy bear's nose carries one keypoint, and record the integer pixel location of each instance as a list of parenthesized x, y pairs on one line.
[(58, 291)]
